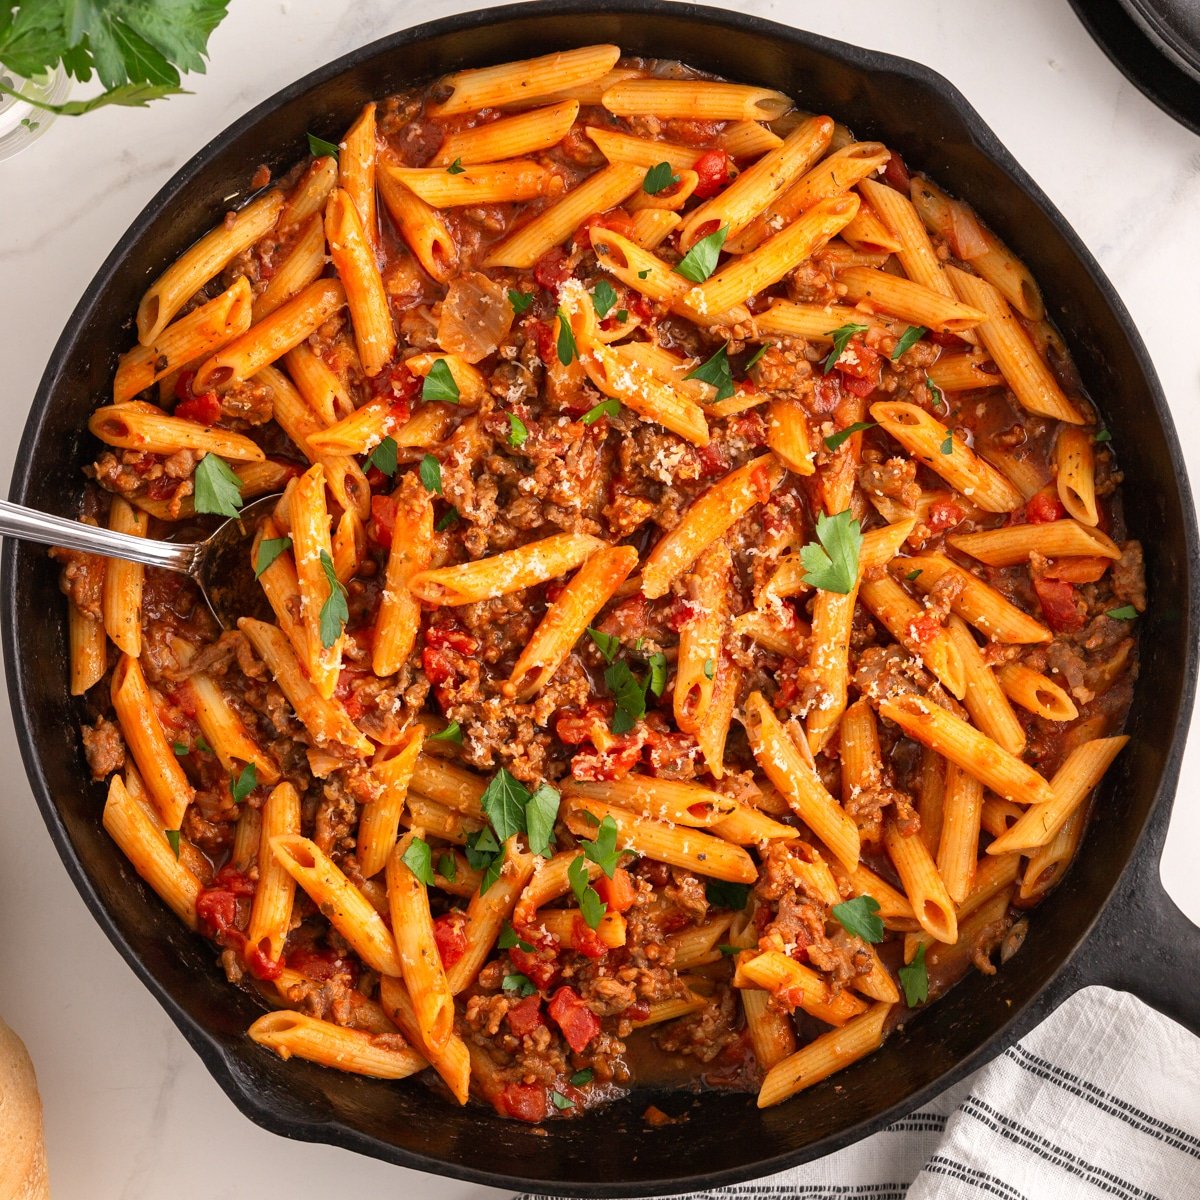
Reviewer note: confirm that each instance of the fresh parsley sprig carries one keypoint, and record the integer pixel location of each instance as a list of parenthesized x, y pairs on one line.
[(831, 562), (716, 373)]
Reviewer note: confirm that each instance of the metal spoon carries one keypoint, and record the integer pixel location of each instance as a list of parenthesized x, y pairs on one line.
[(219, 565)]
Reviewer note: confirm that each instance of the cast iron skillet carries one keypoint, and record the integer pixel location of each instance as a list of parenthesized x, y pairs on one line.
[(1110, 921)]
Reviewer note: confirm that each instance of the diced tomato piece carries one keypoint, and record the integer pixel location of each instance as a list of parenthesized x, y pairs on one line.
[(453, 637), (1059, 604), (523, 1101), (618, 892), (320, 964), (1044, 506), (641, 307), (712, 460), (943, 515), (552, 269), (948, 341), (345, 692), (639, 1010), (539, 965), (750, 425), (398, 384), (681, 612), (827, 393), (924, 629), (616, 219), (450, 935), (575, 726), (216, 909), (860, 387), (896, 174), (577, 1022), (525, 1017), (586, 940), (761, 482), (446, 646), (233, 880), (713, 169), (543, 334), (383, 519), (260, 963), (204, 408)]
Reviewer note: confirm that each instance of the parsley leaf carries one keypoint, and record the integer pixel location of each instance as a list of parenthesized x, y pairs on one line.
[(1125, 613), (334, 612), (606, 408), (268, 552), (936, 397), (240, 786), (717, 373), (481, 848), (320, 148), (644, 274), (947, 447), (540, 814), (517, 432), (561, 1101), (858, 916), (603, 298), (583, 1078), (914, 979), (218, 489), (172, 836), (841, 338), (447, 868), (503, 802), (451, 518), (456, 167), (590, 905), (832, 566), (566, 339), (758, 354), (701, 260), (519, 984), (834, 440), (509, 938), (520, 301), (722, 894), (728, 950), (430, 472), (492, 872), (439, 383), (658, 179), (201, 744), (452, 733), (1102, 436), (710, 668), (606, 643), (418, 858), (629, 695), (914, 574), (603, 851), (383, 457), (909, 338), (623, 315), (658, 672), (180, 749)]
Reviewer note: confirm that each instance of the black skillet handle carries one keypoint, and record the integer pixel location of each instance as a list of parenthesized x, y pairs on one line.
[(1143, 944)]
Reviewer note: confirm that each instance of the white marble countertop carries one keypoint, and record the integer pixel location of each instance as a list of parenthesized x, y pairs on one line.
[(130, 1110)]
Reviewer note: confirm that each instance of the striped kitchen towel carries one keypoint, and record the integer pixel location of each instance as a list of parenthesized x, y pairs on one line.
[(1100, 1100)]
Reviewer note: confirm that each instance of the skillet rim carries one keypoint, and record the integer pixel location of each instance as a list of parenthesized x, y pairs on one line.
[(215, 1056)]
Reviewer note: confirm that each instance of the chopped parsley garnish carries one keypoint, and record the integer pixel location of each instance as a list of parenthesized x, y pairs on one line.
[(334, 612), (659, 178), (447, 867), (710, 668), (430, 472), (450, 518), (841, 339), (936, 397), (591, 907), (583, 1078), (606, 643), (217, 489), (520, 301), (914, 979), (858, 916), (644, 274), (180, 749), (320, 148), (481, 848), (722, 894), (540, 814), (172, 836), (268, 552), (567, 351), (658, 673), (603, 851), (914, 574), (383, 457), (701, 260), (606, 408), (503, 803), (561, 1101), (492, 872), (201, 744), (509, 938), (603, 298), (439, 383), (1125, 613), (758, 354), (519, 984), (623, 315), (456, 167), (517, 431), (909, 338), (832, 565), (716, 372), (240, 786), (947, 447), (728, 950), (418, 858), (1102, 436), (834, 440), (629, 694), (452, 733)]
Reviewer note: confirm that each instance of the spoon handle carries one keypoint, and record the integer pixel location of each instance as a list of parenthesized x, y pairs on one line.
[(33, 526)]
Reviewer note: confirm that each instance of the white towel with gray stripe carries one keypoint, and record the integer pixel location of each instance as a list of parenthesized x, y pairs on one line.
[(1100, 1100)]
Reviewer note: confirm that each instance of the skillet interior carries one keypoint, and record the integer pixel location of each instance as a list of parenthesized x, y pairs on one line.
[(724, 1137)]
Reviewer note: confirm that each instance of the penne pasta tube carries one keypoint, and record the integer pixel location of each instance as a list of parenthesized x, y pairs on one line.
[(302, 266), (992, 876), (964, 372), (747, 139), (869, 234), (929, 441), (652, 226), (674, 800), (411, 552), (449, 784), (788, 435), (1036, 693), (813, 322), (797, 986), (338, 1046), (701, 637), (201, 262), (271, 911), (308, 198), (958, 846), (714, 733), (1075, 474), (999, 815), (620, 147), (323, 392), (225, 730), (312, 549), (343, 905), (975, 752), (984, 699), (916, 254), (482, 183), (452, 1061), (697, 945), (510, 137), (1013, 544), (356, 172), (670, 1010), (437, 819), (136, 426), (571, 931), (909, 301), (362, 285), (695, 100), (88, 649), (549, 880), (777, 755), (422, 227), (862, 881), (926, 891), (675, 845), (501, 574), (708, 518), (121, 594), (746, 826), (380, 819)]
